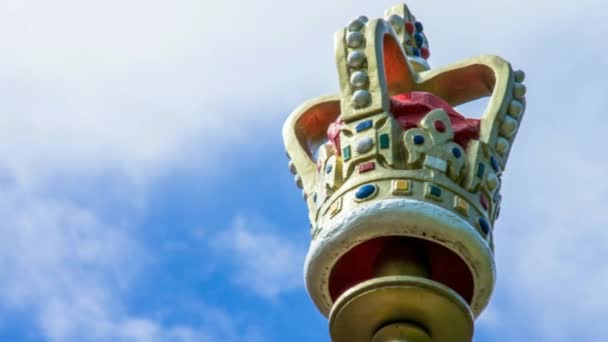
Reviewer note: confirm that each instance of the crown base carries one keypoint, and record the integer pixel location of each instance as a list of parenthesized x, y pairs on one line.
[(398, 217)]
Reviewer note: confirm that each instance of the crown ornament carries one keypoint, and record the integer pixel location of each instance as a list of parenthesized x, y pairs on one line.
[(402, 190)]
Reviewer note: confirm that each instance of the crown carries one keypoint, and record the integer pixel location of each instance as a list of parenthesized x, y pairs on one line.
[(393, 138)]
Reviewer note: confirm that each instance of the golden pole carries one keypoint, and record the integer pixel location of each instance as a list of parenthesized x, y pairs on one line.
[(402, 257), (401, 332)]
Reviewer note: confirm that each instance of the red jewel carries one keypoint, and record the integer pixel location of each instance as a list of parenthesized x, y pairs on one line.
[(409, 27), (425, 53), (484, 201), (440, 126), (367, 167)]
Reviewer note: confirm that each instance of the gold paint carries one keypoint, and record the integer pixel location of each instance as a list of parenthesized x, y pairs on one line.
[(359, 312), (401, 332), (461, 206), (402, 187)]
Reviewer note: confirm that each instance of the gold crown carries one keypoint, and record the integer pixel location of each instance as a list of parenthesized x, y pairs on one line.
[(377, 157), (393, 133)]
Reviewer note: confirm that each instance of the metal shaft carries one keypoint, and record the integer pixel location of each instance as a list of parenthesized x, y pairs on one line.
[(401, 332), (402, 257)]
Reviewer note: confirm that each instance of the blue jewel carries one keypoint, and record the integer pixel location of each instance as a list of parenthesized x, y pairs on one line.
[(419, 39), (457, 152), (365, 191), (418, 139), (364, 125), (484, 225), (495, 164), (481, 169)]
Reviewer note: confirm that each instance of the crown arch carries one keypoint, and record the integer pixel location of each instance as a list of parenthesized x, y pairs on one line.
[(372, 66), (305, 130)]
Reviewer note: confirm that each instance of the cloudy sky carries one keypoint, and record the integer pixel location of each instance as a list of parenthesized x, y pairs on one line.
[(144, 191)]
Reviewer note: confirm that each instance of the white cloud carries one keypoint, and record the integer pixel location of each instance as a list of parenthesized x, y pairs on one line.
[(137, 86), (70, 272), (264, 262), (552, 236)]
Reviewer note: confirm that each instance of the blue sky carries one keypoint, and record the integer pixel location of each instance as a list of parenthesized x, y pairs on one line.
[(144, 191)]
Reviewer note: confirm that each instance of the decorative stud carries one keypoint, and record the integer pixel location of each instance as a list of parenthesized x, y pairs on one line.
[(328, 168), (516, 108), (356, 59), (436, 163), (497, 197), (362, 98), (335, 207), (359, 79), (433, 192), (409, 27), (355, 39), (481, 169), (502, 145), (492, 181), (484, 201), (366, 192), (519, 90), (419, 38), (495, 164), (298, 181), (402, 187), (425, 52), (364, 145), (384, 141), (520, 76), (346, 153), (508, 127), (416, 52), (484, 225), (456, 152), (292, 168), (362, 126), (356, 25), (419, 26), (461, 205), (418, 139), (366, 167), (364, 19), (439, 126)]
